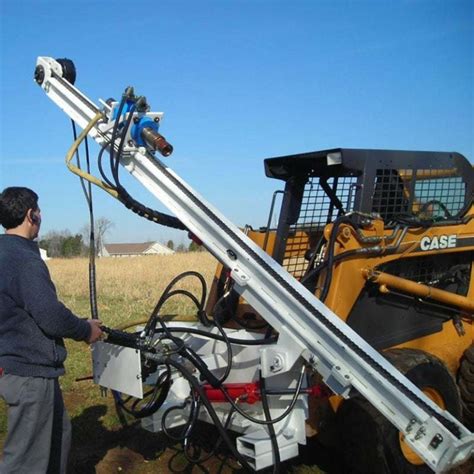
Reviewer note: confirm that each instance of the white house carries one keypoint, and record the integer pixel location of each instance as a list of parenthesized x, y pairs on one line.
[(44, 254), (134, 250)]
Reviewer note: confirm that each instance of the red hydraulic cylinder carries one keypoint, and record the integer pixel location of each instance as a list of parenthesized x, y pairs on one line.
[(250, 392), (246, 392)]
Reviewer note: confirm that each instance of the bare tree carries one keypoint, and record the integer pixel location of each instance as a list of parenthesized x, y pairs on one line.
[(102, 225)]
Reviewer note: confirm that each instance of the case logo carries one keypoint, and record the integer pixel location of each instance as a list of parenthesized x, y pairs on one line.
[(438, 242)]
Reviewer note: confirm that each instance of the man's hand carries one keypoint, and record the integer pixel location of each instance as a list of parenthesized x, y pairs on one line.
[(96, 332)]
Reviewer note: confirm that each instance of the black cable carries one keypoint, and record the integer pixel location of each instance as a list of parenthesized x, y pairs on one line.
[(242, 342), (271, 428), (186, 293), (411, 220), (101, 169), (150, 328), (181, 348), (268, 334), (159, 394), (331, 193), (150, 214), (317, 249), (318, 269), (437, 202), (212, 413), (115, 129), (92, 247), (78, 162), (124, 196), (90, 206), (330, 258), (151, 324), (198, 362), (276, 420), (187, 427), (250, 326), (228, 312), (213, 451), (116, 161), (229, 352)]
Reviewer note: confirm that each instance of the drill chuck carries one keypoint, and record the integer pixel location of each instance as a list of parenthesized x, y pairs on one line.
[(156, 141)]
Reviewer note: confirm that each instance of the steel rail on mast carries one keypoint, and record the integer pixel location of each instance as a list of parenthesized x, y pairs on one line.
[(306, 326)]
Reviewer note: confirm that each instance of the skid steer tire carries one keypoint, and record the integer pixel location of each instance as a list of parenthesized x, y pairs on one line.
[(466, 371), (466, 387), (369, 442), (469, 355), (467, 391)]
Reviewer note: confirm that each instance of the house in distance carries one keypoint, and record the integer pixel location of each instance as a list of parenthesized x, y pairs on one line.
[(134, 249)]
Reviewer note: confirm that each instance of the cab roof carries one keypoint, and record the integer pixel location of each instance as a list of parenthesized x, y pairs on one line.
[(354, 162)]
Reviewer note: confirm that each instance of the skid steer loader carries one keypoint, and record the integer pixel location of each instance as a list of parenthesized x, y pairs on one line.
[(386, 240)]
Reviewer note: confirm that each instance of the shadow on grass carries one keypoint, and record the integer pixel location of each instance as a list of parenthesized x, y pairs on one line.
[(130, 449), (96, 448), (91, 441)]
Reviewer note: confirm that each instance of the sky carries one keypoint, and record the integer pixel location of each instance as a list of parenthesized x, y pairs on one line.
[(238, 81)]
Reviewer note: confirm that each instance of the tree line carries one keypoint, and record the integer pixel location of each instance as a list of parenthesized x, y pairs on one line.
[(192, 247), (65, 244)]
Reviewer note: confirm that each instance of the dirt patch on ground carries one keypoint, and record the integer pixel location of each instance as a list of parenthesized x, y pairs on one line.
[(99, 448), (131, 449)]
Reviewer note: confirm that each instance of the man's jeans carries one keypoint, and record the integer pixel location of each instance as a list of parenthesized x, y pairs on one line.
[(39, 430)]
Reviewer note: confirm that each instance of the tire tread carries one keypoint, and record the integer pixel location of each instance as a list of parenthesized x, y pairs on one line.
[(466, 386)]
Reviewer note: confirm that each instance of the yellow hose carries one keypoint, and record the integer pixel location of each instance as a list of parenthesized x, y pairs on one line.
[(128, 324), (77, 171)]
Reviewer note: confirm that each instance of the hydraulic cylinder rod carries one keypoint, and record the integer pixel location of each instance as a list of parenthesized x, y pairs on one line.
[(387, 282)]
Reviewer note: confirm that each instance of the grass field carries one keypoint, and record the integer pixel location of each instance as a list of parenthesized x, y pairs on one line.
[(128, 289)]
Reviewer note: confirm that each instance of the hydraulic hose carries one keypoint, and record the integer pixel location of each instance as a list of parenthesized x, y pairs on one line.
[(212, 413), (79, 172), (271, 428), (118, 192), (88, 195)]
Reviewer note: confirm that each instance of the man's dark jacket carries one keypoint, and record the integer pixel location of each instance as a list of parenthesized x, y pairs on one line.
[(32, 320)]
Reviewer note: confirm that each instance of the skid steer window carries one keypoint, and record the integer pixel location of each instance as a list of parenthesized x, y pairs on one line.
[(317, 210), (439, 198), (433, 194), (391, 194)]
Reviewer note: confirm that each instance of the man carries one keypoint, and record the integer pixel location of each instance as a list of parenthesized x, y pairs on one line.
[(32, 325)]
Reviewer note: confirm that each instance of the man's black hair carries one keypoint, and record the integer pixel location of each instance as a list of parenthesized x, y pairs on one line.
[(14, 204)]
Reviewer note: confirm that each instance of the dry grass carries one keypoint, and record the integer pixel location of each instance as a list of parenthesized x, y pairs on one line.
[(128, 288)]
